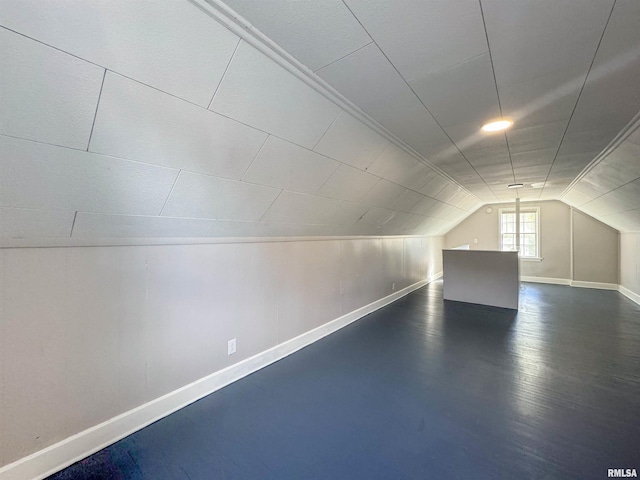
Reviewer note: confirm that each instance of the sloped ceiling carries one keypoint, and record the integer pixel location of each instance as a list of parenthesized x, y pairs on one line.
[(160, 119), (610, 188)]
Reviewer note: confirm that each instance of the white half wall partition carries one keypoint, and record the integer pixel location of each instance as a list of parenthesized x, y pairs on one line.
[(97, 342), (486, 277)]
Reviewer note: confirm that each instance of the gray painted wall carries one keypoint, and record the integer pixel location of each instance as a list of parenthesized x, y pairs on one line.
[(595, 250), (87, 333), (630, 261), (596, 245)]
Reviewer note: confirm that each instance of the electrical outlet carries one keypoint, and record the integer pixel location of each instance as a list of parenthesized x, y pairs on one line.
[(393, 287), (231, 346)]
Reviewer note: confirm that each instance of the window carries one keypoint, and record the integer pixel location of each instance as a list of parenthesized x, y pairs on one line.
[(529, 231)]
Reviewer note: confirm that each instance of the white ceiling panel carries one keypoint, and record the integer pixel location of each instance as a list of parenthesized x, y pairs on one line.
[(92, 225), (611, 98), (442, 210), (203, 196), (285, 165), (589, 189), (624, 161), (181, 51), (608, 177), (619, 200), (370, 81), (540, 137), (540, 28), (348, 183), (29, 223), (350, 141), (532, 173), (543, 99), (406, 201), (421, 37), (468, 203), (460, 94), (47, 95), (397, 223), (40, 176), (628, 221), (533, 157), (383, 193), (447, 193), (468, 136), (316, 33), (435, 186), (374, 219), (141, 123), (424, 205), (498, 155), (393, 164), (417, 177), (257, 91), (576, 198), (193, 132), (227, 228), (313, 210)]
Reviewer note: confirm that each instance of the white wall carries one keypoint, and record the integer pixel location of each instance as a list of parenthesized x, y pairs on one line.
[(88, 333), (630, 262)]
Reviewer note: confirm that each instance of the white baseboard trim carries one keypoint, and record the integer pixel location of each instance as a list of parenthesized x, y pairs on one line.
[(631, 295), (45, 462), (550, 280), (598, 285)]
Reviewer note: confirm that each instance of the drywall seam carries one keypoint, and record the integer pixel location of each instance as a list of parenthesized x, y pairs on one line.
[(550, 280), (631, 295), (228, 17), (45, 462)]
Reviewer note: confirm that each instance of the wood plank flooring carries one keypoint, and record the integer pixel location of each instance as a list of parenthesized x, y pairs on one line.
[(419, 389)]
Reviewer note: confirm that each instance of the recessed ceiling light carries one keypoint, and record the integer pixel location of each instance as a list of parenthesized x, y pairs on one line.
[(497, 126), (515, 185)]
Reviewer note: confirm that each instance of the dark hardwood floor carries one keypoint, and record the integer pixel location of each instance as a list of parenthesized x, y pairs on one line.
[(419, 389)]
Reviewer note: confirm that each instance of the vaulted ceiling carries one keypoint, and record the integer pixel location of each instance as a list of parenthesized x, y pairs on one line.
[(178, 118)]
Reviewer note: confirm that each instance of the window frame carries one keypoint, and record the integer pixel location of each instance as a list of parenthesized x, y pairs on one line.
[(535, 210)]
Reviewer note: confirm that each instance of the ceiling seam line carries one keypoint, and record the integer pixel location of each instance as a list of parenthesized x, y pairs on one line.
[(343, 57), (607, 193), (270, 205), (495, 82), (420, 100), (575, 106), (95, 114), (73, 224), (170, 192), (224, 74), (254, 159), (325, 132)]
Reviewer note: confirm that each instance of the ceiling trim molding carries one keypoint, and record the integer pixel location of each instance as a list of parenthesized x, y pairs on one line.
[(631, 127), (250, 34), (63, 242)]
